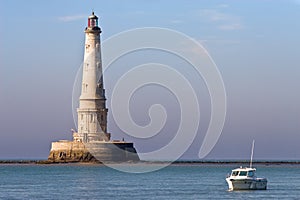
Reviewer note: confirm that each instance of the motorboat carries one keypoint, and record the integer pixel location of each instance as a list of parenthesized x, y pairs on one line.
[(244, 178)]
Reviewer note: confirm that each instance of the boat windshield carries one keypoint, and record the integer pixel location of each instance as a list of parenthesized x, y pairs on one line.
[(235, 173), (243, 173), (251, 173)]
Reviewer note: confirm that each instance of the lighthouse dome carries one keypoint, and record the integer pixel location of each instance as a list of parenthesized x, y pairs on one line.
[(93, 16)]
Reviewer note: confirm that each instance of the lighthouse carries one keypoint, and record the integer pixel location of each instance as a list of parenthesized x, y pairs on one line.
[(92, 111), (91, 142)]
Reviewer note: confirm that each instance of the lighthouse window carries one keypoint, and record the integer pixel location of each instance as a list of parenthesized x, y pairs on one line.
[(87, 47), (86, 66), (93, 22), (98, 65), (91, 117)]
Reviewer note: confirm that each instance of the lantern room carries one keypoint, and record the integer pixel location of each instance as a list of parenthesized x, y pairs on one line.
[(92, 21)]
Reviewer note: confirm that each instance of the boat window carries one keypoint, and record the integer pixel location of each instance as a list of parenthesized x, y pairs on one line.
[(234, 173), (243, 173), (250, 173)]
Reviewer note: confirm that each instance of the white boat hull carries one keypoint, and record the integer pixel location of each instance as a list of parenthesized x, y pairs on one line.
[(247, 184)]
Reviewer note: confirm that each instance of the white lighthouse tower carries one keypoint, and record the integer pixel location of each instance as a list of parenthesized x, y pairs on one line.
[(92, 142), (92, 111)]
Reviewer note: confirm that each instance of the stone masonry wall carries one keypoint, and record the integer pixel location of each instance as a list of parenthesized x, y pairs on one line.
[(70, 151)]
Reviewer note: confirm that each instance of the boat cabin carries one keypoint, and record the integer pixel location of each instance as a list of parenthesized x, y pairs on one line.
[(243, 172)]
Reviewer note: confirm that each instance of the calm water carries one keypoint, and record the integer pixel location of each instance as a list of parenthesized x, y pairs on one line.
[(173, 182)]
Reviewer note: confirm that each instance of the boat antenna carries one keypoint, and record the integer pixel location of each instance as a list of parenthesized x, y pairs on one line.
[(252, 153)]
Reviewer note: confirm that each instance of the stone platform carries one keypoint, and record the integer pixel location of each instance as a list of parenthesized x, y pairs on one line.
[(111, 151)]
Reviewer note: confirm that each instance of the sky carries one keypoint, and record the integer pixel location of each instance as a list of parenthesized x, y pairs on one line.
[(255, 45)]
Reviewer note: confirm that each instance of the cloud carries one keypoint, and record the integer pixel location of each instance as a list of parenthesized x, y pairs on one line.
[(213, 15), (223, 5), (216, 15), (71, 18), (191, 48), (222, 20)]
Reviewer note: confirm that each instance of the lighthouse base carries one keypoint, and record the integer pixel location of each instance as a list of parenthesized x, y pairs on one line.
[(111, 151)]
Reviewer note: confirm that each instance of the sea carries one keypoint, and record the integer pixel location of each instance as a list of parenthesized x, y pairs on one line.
[(177, 181)]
